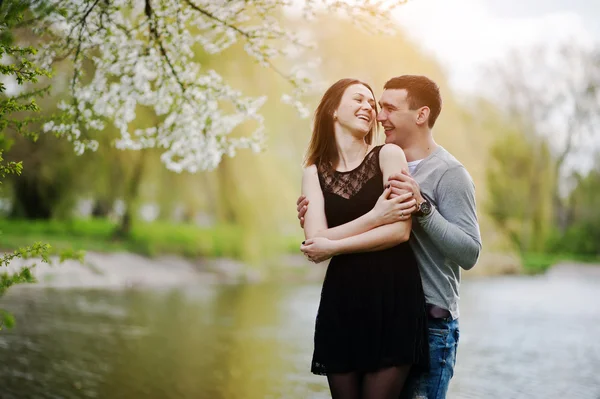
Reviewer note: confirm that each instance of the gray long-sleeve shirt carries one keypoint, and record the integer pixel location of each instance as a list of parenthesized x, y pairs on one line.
[(448, 238)]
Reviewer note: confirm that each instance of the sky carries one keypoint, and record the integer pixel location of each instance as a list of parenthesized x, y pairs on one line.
[(465, 35)]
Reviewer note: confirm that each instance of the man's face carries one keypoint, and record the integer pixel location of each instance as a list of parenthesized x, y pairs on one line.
[(397, 119)]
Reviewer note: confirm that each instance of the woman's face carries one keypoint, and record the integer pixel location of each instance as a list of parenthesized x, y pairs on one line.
[(356, 111)]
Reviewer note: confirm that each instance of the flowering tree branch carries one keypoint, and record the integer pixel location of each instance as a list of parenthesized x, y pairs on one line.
[(144, 54)]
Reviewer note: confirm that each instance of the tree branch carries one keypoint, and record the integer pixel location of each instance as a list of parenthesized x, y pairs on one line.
[(82, 23), (154, 32), (215, 18), (243, 33)]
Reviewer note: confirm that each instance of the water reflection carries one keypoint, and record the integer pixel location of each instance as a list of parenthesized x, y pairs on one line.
[(228, 342), (521, 337)]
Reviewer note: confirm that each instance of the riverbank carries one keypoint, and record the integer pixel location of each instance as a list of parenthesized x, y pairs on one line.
[(122, 270), (148, 239), (173, 254), (499, 263)]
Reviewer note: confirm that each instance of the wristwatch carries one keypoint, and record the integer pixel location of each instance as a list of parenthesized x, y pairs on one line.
[(424, 208)]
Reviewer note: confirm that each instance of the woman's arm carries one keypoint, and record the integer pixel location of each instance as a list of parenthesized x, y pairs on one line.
[(314, 220), (391, 160), (390, 208)]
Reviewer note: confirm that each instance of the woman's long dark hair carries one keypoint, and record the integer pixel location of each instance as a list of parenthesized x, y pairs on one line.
[(322, 150)]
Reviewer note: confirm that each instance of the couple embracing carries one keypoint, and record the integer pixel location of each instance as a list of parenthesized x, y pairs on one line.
[(398, 222)]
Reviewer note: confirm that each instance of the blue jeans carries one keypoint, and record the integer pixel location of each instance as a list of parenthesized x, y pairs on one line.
[(443, 341)]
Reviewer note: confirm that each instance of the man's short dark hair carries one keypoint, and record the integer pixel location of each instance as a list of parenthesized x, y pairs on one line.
[(421, 90)]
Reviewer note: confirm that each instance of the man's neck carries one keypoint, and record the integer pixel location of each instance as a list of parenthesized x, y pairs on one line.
[(420, 149)]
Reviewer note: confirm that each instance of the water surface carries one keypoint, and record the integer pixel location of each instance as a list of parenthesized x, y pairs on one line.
[(521, 337)]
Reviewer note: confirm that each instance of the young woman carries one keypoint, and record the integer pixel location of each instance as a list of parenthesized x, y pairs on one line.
[(371, 324)]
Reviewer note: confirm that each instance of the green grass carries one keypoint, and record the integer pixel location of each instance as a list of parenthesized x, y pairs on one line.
[(534, 263), (157, 238), (148, 239)]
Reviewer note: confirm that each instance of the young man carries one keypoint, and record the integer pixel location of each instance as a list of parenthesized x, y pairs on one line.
[(445, 233)]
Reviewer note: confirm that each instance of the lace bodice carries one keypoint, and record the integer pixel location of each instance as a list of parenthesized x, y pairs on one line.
[(348, 184)]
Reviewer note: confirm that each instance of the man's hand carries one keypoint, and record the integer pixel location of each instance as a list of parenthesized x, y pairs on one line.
[(302, 206), (394, 205), (391, 209), (404, 182), (318, 249)]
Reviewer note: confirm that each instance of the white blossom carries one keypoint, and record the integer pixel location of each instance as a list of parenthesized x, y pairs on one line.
[(143, 54)]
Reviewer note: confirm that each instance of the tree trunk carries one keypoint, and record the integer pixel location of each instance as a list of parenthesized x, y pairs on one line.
[(226, 189), (32, 199), (561, 214), (131, 194), (101, 208)]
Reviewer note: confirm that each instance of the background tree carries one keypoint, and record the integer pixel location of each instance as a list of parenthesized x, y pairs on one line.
[(550, 98), (582, 235), (17, 113), (520, 190)]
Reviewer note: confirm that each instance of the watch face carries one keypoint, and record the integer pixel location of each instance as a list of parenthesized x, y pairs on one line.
[(425, 208)]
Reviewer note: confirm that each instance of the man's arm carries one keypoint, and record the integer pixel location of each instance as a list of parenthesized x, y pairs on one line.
[(453, 227)]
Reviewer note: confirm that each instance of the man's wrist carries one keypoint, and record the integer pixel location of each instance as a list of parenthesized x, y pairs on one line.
[(424, 208), (422, 217)]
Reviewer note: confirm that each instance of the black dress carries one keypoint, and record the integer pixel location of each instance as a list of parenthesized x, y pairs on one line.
[(372, 310)]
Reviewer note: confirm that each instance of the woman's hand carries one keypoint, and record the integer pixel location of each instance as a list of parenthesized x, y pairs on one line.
[(391, 208), (318, 249)]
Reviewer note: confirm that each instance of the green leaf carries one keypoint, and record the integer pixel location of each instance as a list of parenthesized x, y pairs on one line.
[(6, 319)]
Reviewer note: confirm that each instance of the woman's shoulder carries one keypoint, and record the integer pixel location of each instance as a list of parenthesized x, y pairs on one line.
[(391, 151), (309, 170)]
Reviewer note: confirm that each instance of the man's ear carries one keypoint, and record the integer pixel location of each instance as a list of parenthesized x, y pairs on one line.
[(423, 115)]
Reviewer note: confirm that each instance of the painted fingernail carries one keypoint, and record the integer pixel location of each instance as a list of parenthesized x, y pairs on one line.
[(302, 242)]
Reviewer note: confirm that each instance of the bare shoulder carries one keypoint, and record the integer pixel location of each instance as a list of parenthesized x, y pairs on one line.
[(391, 153), (309, 173), (310, 182), (310, 170)]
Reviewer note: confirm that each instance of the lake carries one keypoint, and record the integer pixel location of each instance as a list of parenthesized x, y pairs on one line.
[(521, 337)]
